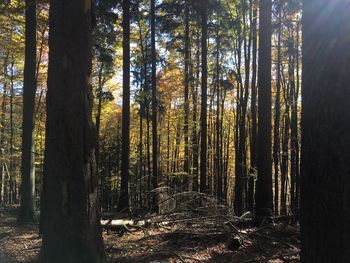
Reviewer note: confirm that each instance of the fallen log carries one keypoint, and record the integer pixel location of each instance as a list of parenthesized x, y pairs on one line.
[(122, 225)]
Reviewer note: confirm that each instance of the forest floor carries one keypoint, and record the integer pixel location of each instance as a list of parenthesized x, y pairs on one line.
[(197, 240)]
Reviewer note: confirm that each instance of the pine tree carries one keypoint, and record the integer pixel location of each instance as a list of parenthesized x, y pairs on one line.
[(69, 204)]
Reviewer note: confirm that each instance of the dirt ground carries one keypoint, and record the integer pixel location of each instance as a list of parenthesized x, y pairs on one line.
[(167, 243)]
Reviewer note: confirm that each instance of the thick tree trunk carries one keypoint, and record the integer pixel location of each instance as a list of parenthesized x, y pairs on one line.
[(26, 212), (123, 202), (263, 194), (69, 205), (325, 162)]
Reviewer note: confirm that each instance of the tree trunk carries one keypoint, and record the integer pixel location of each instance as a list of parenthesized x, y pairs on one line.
[(11, 172), (123, 202), (2, 131), (154, 109), (284, 161), (263, 195), (143, 82), (291, 80), (203, 153), (325, 162), (69, 205), (296, 123), (253, 144), (195, 121), (218, 149), (186, 84), (294, 135), (227, 153), (148, 146), (98, 121), (276, 127), (27, 208)]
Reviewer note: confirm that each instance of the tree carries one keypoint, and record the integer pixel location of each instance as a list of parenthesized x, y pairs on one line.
[(69, 204), (2, 129), (203, 152), (263, 195), (154, 107), (123, 203), (242, 101), (26, 212), (276, 127), (194, 90), (325, 161), (253, 141), (12, 180), (186, 90)]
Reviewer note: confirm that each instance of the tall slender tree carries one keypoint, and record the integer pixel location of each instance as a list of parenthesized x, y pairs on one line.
[(263, 195), (154, 108), (253, 137), (325, 161), (26, 212), (203, 153), (12, 172), (123, 203), (69, 204), (186, 84), (218, 150), (3, 198), (276, 127), (194, 88)]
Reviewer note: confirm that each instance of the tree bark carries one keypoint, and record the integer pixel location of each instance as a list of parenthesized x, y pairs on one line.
[(123, 202), (325, 161), (69, 205), (195, 136), (263, 194), (27, 208)]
